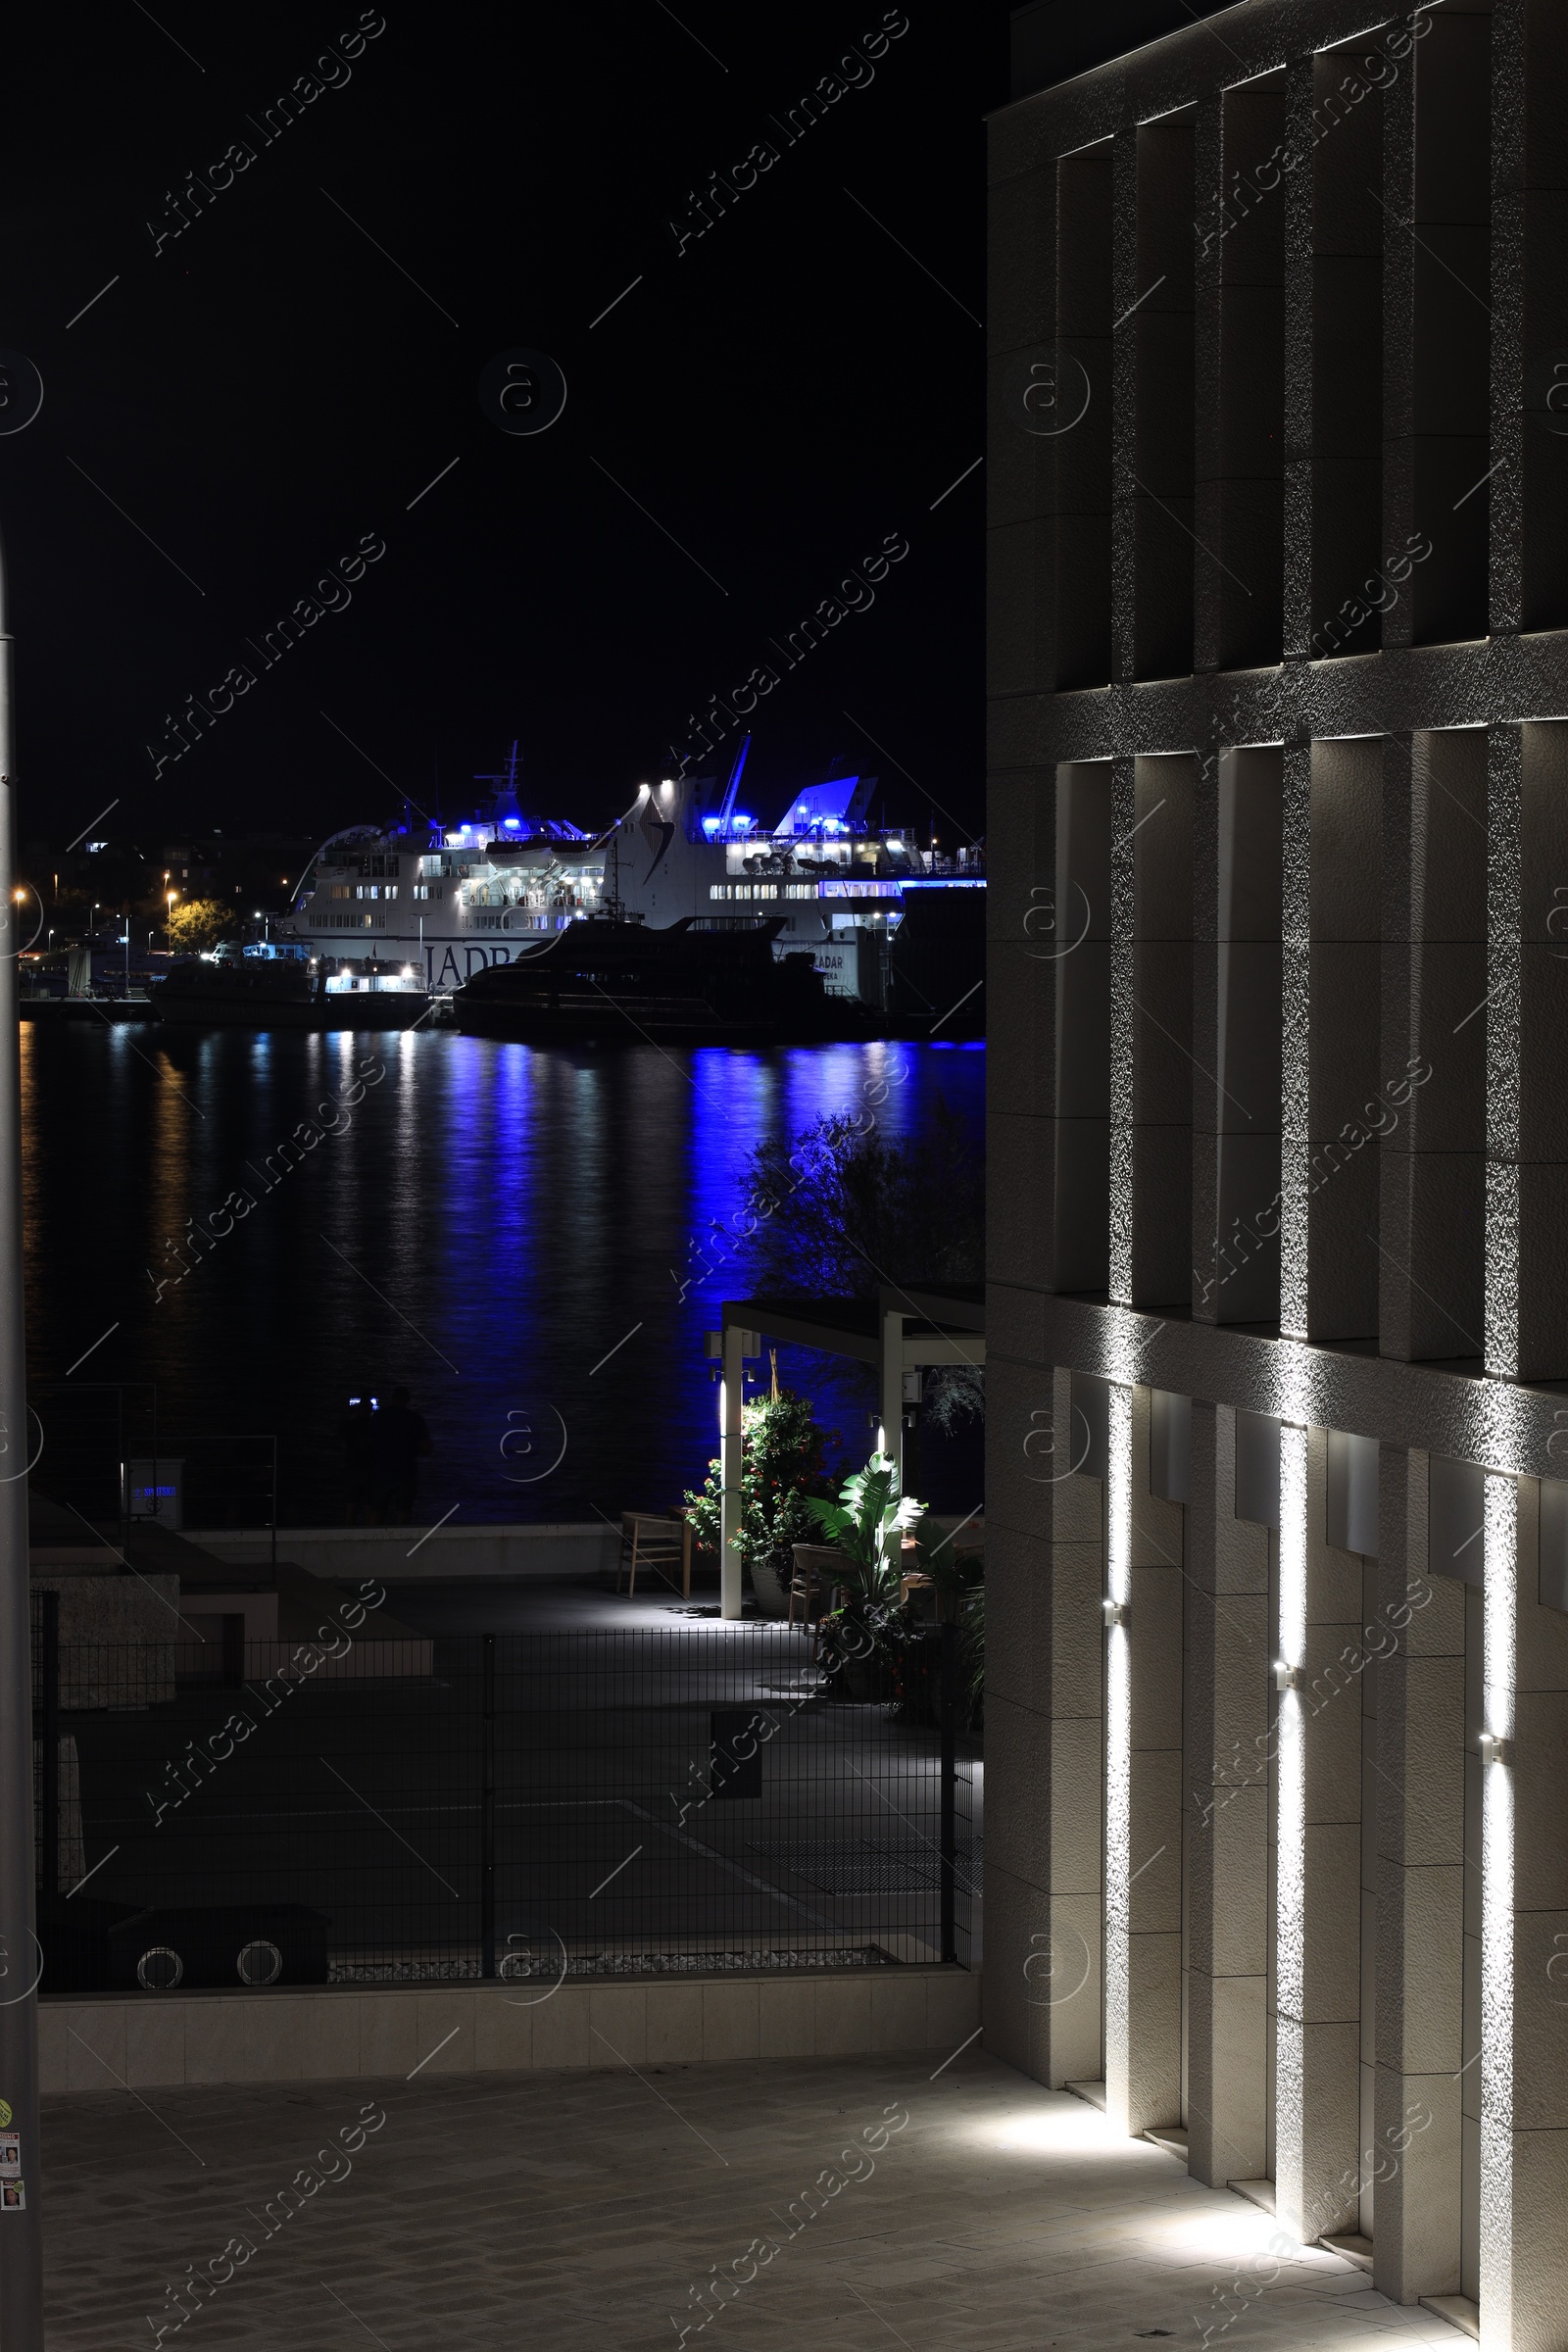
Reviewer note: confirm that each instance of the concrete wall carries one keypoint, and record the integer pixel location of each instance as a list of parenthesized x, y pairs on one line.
[(155, 2040), (1278, 909), (353, 1553)]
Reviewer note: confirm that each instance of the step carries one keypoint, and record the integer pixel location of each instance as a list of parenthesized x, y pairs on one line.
[(1257, 2192), (1172, 2137), (1094, 2092), (1352, 2247), (1457, 2310)]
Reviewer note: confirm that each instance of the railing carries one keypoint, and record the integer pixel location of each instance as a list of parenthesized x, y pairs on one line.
[(519, 1807)]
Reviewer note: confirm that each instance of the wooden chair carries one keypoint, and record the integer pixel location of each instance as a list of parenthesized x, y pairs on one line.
[(914, 1580), (816, 1568), (659, 1542)]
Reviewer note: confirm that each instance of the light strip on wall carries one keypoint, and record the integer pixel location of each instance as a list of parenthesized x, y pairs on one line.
[(1118, 1757), (1498, 1676)]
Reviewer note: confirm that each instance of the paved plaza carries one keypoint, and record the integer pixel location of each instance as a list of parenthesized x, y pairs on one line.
[(587, 2209)]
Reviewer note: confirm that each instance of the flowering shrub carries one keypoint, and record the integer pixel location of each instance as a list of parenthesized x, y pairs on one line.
[(781, 1471)]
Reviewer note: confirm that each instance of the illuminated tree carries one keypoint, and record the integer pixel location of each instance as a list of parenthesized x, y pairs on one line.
[(199, 923)]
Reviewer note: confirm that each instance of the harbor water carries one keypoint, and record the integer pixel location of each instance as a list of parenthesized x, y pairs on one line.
[(238, 1233)]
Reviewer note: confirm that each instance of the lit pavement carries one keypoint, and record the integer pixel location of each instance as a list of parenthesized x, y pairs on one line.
[(584, 2209)]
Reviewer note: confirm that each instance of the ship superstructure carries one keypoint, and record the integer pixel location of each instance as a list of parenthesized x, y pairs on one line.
[(456, 899)]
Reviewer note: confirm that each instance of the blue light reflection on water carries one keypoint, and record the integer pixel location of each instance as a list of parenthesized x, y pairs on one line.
[(488, 1225)]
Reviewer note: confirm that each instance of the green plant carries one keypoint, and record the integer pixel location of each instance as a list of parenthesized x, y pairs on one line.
[(868, 1524), (781, 1475)]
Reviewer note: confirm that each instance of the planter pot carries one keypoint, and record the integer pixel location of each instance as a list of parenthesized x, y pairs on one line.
[(866, 1678), (770, 1588)]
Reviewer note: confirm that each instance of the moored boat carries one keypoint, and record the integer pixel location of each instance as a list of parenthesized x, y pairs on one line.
[(266, 989), (608, 982)]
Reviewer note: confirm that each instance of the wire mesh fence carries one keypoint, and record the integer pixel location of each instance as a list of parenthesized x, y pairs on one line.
[(515, 1807)]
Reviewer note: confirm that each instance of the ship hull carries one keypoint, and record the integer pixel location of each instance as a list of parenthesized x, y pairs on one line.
[(334, 1013)]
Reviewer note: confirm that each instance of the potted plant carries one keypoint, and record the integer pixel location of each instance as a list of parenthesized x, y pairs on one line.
[(781, 1472), (958, 1596), (867, 1524)]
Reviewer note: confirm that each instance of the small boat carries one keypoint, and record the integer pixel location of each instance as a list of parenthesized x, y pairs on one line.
[(264, 988), (694, 982)]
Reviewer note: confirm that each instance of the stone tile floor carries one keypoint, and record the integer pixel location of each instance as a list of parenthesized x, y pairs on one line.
[(558, 2210)]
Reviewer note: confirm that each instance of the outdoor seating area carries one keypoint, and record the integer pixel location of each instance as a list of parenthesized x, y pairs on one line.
[(660, 1544)]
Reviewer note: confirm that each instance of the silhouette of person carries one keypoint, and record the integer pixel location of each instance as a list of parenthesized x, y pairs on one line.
[(357, 1429), (401, 1437)]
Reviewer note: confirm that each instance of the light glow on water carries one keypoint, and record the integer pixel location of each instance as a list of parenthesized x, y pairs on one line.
[(419, 1203)]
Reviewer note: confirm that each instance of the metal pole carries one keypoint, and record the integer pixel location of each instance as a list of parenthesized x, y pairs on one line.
[(20, 2230), (487, 1893), (950, 1776), (50, 1695), (731, 1454)]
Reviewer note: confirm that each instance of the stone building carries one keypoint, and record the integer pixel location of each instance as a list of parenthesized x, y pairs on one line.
[(1277, 1314)]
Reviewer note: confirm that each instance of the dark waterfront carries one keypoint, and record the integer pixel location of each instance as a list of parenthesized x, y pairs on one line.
[(486, 1223)]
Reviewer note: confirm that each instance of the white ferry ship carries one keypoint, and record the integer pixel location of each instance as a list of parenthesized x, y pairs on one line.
[(454, 899)]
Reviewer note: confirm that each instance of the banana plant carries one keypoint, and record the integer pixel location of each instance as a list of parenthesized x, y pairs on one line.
[(868, 1524)]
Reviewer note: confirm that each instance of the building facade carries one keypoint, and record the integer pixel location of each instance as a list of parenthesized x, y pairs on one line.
[(1277, 1485)]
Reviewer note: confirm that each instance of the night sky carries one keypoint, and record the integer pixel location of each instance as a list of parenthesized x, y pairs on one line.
[(276, 385)]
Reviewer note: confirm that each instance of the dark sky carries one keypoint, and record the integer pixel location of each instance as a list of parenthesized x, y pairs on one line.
[(271, 385)]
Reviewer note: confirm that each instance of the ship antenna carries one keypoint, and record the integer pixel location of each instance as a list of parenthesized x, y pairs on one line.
[(732, 788)]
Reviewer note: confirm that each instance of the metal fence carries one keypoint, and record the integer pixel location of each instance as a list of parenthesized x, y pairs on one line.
[(517, 1806)]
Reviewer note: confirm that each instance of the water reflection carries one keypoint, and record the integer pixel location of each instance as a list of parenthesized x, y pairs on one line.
[(506, 1230)]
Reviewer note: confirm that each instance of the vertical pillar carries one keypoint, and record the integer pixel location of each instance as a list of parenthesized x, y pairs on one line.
[(1143, 1781), (1159, 1096), (1317, 2087), (1044, 1733), (1435, 1030), (1227, 1662), (1524, 2023), (1335, 1103), (1124, 292), (20, 2232), (1208, 523), (1295, 195), (890, 1384), (1296, 1040), (1420, 1940), (1528, 1148), (1123, 1027), (1499, 2239), (1027, 949), (1511, 1195), (1237, 1038), (731, 1400)]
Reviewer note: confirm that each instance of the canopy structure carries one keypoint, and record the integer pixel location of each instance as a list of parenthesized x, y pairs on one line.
[(905, 1328)]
